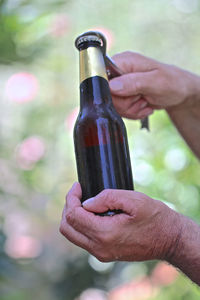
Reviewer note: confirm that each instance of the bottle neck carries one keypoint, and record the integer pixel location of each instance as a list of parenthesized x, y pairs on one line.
[(92, 63), (94, 88)]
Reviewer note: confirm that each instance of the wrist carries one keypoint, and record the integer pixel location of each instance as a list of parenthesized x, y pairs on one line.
[(173, 235), (175, 238), (168, 234), (190, 93), (184, 251), (192, 98)]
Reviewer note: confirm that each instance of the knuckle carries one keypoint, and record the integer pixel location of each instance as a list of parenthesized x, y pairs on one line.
[(108, 195), (138, 85), (70, 217), (105, 194)]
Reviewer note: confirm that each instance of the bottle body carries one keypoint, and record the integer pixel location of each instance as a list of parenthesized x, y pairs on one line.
[(101, 145)]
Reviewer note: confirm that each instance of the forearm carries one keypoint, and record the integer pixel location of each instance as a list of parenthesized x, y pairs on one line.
[(187, 121), (186, 254), (186, 116)]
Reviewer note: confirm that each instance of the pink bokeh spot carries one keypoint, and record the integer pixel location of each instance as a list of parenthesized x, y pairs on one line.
[(71, 119), (30, 151), (147, 287), (164, 274), (23, 246), (22, 87), (60, 25), (141, 289), (108, 35)]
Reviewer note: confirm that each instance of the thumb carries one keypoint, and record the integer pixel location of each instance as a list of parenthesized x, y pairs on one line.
[(133, 84), (110, 199)]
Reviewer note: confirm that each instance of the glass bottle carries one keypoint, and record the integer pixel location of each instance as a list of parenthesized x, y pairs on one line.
[(100, 138)]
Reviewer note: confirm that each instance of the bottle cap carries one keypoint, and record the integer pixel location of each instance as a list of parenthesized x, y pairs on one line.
[(87, 39)]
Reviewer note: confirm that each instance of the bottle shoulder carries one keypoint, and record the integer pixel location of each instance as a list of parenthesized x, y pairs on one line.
[(98, 111), (92, 122), (98, 114)]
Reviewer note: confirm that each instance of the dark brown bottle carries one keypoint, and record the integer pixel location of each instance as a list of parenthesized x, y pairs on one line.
[(100, 139)]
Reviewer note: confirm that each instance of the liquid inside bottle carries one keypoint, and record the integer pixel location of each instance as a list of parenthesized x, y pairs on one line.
[(101, 146)]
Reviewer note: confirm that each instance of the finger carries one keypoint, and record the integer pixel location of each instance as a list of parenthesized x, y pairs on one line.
[(75, 190), (78, 218), (133, 84), (72, 235), (74, 211), (139, 115), (122, 104), (87, 223), (121, 99), (134, 62), (129, 107), (111, 199), (145, 112), (73, 198)]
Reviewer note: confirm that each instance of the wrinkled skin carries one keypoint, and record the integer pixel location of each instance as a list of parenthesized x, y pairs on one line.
[(148, 84), (146, 229)]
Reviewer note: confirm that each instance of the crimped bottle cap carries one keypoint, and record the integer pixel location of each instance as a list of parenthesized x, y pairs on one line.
[(87, 39)]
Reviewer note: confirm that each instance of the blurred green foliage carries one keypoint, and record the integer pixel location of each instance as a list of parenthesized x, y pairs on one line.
[(37, 164)]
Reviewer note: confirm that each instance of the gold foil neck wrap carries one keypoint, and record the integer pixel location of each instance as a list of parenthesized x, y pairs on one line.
[(92, 63)]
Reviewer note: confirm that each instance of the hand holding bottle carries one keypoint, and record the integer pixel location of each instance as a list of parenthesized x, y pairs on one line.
[(148, 229), (148, 84)]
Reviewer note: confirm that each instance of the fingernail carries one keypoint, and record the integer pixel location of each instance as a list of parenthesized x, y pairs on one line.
[(143, 104), (88, 201), (116, 85), (146, 113), (136, 98)]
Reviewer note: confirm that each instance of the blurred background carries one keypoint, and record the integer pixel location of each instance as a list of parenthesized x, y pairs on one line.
[(39, 99)]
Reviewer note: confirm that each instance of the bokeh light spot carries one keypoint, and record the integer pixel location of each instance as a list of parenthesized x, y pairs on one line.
[(30, 151), (186, 6), (99, 266), (22, 246), (175, 159), (60, 25), (141, 289), (164, 274), (144, 173), (22, 87), (109, 35), (71, 119), (93, 294)]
